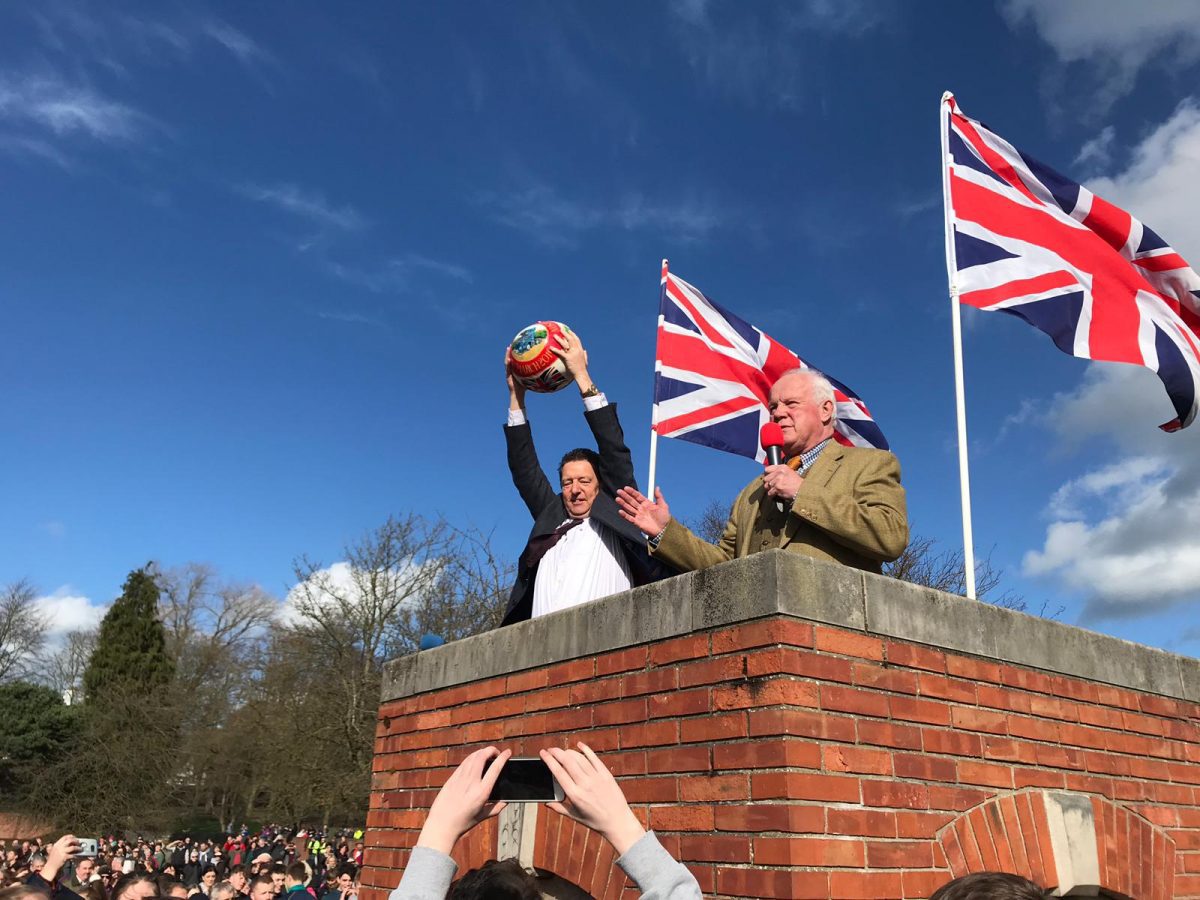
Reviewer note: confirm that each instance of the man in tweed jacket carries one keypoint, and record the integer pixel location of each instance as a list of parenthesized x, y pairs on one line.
[(827, 501)]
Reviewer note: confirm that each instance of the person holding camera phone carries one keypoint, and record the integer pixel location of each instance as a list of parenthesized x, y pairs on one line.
[(592, 797)]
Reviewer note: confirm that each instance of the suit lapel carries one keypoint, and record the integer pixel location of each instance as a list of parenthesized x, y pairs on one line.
[(820, 473)]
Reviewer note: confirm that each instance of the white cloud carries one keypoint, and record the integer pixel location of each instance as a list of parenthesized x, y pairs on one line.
[(240, 44), (755, 53), (396, 275), (1096, 152), (65, 611), (48, 102), (1160, 184), (339, 585), (557, 221), (1115, 36), (310, 205)]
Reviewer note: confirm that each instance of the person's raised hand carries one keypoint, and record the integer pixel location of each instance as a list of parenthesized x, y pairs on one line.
[(782, 481), (593, 796), (516, 390), (570, 351), (66, 847), (462, 803), (650, 516)]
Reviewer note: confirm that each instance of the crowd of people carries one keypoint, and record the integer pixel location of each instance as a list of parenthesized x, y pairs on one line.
[(275, 864)]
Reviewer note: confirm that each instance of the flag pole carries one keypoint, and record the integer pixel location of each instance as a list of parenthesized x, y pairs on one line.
[(956, 320), (654, 406)]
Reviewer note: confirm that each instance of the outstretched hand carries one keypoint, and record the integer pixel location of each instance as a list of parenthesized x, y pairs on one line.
[(570, 351), (593, 796), (462, 803), (651, 516)]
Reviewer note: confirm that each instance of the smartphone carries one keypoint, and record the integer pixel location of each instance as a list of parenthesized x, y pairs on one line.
[(87, 847), (526, 780)]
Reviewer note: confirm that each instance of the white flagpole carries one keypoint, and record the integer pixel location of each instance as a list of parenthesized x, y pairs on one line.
[(654, 407), (956, 319)]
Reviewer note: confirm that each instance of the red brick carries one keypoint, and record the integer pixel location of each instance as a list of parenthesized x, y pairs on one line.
[(884, 678), (895, 794), (525, 681), (595, 691), (785, 631), (868, 822), (800, 662), (649, 735), (921, 824), (653, 681), (712, 728), (547, 699), (678, 759), (851, 700), (652, 790), (689, 646), (1009, 750), (561, 720), (961, 799), (922, 884), (713, 671), (973, 669), (679, 703), (848, 643), (621, 661), (920, 767), (899, 854), (914, 709), (889, 734), (799, 722), (805, 786), (954, 743), (864, 885), (682, 819), (864, 760), (912, 656), (830, 852), (765, 754), (772, 883), (932, 685), (705, 788), (575, 670), (761, 691), (620, 712), (722, 848), (973, 719), (1054, 708), (792, 818)]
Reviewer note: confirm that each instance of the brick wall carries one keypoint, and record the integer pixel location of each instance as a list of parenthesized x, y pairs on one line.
[(788, 758)]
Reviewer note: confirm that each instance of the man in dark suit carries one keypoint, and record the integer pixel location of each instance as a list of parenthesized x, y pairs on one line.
[(580, 548)]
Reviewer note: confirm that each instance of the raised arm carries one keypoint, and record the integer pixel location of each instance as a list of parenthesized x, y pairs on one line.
[(531, 482)]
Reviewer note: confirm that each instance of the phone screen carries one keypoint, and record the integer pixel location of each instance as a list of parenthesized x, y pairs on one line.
[(525, 779)]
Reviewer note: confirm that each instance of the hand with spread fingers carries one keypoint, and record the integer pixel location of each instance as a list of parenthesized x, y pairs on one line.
[(570, 351), (462, 803), (593, 796), (651, 516)]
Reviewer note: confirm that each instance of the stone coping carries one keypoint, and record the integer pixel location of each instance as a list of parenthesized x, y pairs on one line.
[(780, 583)]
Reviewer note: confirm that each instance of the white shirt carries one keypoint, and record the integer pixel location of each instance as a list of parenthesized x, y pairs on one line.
[(585, 564)]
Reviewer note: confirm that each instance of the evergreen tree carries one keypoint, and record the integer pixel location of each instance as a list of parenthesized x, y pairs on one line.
[(130, 656)]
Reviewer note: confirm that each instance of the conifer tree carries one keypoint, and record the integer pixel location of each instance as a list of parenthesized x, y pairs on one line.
[(130, 656)]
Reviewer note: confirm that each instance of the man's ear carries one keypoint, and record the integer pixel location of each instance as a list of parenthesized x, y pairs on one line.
[(827, 412)]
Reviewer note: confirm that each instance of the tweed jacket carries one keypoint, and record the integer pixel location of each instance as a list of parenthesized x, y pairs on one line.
[(546, 505), (849, 509)]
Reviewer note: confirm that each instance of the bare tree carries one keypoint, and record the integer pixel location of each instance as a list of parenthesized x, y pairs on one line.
[(63, 669), (710, 524), (22, 630)]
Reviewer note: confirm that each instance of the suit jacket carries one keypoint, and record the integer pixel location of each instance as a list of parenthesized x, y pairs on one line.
[(546, 505), (850, 509)]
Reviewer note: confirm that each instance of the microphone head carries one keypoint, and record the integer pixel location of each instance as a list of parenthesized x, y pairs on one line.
[(771, 435)]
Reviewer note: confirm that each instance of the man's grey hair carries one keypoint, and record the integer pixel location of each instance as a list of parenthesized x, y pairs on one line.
[(819, 387), (222, 890)]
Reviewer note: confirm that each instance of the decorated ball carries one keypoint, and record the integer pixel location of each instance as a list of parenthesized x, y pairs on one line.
[(533, 364)]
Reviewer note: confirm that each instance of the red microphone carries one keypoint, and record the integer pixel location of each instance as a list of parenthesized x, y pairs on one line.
[(771, 439)]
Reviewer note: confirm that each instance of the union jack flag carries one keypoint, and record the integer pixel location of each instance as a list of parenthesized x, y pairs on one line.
[(713, 373), (1029, 242)]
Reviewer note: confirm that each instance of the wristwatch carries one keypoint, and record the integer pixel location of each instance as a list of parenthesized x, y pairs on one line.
[(590, 392)]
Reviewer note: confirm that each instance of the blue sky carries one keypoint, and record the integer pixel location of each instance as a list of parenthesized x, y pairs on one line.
[(259, 262)]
